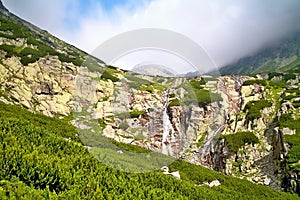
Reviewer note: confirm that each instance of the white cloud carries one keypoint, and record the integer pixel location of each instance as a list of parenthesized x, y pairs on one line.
[(227, 29)]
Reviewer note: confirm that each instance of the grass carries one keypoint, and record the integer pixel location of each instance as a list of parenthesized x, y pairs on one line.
[(290, 66)]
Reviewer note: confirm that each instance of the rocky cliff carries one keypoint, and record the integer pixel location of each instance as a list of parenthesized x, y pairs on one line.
[(240, 125)]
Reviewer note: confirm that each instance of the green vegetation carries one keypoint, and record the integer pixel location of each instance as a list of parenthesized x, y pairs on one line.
[(293, 140), (254, 108), (196, 93), (257, 81), (136, 113), (289, 76), (37, 162), (135, 82), (174, 102), (291, 66), (197, 84), (28, 54), (131, 114), (147, 88), (296, 104), (269, 59), (201, 140), (124, 126), (107, 74), (237, 140), (93, 64), (280, 84), (274, 74)]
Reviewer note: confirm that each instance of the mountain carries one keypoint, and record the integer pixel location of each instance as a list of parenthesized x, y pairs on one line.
[(282, 56), (72, 127), (153, 70)]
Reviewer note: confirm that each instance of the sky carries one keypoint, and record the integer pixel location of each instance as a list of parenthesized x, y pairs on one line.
[(226, 29)]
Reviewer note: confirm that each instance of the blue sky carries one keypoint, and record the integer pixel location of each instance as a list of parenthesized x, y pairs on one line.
[(107, 5), (226, 29)]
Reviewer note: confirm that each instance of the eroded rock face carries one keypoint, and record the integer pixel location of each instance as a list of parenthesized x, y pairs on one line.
[(45, 86)]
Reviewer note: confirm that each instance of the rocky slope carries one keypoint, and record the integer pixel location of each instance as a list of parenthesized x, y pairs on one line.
[(240, 125)]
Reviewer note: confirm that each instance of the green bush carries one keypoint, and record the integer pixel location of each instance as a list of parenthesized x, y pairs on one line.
[(107, 75), (9, 49), (296, 104), (274, 74), (252, 82), (147, 88), (236, 141), (280, 84), (289, 77), (136, 113), (124, 125), (289, 97), (293, 157), (172, 95), (254, 108), (174, 102), (197, 84), (202, 97)]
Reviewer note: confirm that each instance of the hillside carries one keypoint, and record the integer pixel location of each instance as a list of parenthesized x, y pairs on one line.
[(279, 57), (73, 127)]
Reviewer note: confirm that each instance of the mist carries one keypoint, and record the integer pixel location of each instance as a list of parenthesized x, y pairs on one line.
[(226, 29)]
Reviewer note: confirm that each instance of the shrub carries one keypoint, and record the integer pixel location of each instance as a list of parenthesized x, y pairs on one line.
[(289, 77), (197, 84), (172, 95), (9, 49), (274, 74), (252, 82), (124, 125), (147, 88), (280, 84), (254, 108), (107, 75), (136, 113), (174, 102), (237, 140)]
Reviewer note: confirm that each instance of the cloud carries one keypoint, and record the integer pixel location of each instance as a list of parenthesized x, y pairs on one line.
[(226, 29)]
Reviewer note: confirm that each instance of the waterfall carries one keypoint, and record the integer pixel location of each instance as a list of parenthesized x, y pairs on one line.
[(168, 130)]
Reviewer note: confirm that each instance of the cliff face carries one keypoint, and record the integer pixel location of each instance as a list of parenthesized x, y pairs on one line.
[(236, 125)]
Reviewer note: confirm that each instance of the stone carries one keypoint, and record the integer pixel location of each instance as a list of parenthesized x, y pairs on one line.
[(214, 183), (288, 131)]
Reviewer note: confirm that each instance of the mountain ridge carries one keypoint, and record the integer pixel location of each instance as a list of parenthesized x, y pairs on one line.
[(273, 58)]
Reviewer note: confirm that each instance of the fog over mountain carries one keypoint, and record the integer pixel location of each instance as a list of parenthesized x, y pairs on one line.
[(227, 30)]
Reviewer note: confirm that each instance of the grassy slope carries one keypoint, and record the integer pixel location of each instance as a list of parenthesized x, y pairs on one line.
[(38, 162)]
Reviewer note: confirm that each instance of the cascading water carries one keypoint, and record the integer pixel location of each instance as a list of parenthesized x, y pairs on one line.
[(168, 130)]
